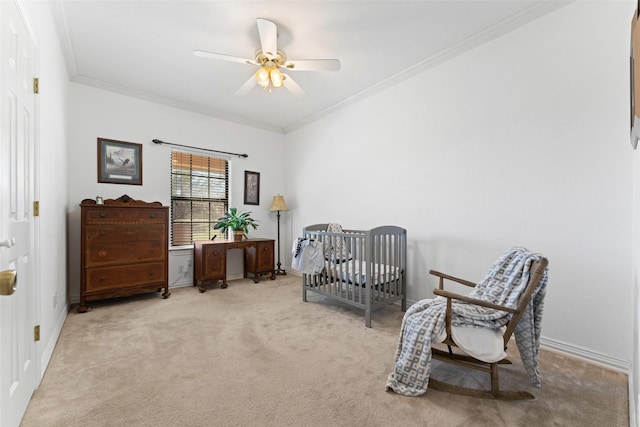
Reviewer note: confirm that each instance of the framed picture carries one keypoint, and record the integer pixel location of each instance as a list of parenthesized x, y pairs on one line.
[(119, 162), (251, 188)]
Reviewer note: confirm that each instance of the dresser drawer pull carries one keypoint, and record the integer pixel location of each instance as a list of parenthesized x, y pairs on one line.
[(103, 215), (152, 216), (102, 278)]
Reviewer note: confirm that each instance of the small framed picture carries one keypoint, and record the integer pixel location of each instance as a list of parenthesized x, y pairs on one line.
[(251, 188), (119, 162)]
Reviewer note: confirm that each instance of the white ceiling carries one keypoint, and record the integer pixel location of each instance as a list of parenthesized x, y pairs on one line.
[(144, 48)]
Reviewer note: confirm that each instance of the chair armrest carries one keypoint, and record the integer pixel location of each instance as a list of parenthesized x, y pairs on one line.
[(452, 278), (475, 301)]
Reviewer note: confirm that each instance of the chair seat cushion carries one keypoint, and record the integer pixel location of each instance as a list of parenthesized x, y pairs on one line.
[(482, 343)]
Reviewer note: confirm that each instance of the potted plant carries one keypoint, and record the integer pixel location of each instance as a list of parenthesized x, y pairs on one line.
[(236, 221)]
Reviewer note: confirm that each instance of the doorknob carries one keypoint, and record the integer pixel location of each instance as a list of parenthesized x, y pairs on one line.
[(8, 279), (8, 243)]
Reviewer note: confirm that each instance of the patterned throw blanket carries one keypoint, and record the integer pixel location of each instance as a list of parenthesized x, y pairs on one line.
[(424, 322), (335, 247)]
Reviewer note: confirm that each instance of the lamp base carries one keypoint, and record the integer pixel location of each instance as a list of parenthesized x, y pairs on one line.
[(279, 271)]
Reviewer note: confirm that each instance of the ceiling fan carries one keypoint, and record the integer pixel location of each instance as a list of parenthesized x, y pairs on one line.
[(271, 62)]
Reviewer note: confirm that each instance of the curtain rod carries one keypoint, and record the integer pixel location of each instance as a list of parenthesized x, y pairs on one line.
[(157, 141)]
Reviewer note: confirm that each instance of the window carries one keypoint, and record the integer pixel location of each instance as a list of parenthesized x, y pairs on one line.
[(199, 196)]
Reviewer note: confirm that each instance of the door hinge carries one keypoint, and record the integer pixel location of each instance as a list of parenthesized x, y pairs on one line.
[(36, 85), (36, 333), (36, 208)]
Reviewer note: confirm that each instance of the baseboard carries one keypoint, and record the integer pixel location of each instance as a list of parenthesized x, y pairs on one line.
[(184, 282), (47, 353), (593, 357), (293, 272), (181, 283)]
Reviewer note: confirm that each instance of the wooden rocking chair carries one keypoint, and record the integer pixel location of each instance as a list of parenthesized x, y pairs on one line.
[(465, 360)]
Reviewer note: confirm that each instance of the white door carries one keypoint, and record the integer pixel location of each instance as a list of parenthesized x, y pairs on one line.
[(18, 367)]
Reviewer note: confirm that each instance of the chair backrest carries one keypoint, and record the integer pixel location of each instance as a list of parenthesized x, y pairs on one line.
[(536, 273)]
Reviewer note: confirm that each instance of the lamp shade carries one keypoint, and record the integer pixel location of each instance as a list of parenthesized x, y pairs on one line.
[(278, 204)]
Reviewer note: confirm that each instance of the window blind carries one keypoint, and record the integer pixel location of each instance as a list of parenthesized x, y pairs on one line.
[(199, 196)]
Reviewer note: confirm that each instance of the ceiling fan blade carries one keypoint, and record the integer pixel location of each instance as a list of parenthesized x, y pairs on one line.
[(268, 38), (294, 87), (313, 65), (212, 55), (247, 86)]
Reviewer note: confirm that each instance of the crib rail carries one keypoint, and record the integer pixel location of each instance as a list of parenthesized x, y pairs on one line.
[(363, 268)]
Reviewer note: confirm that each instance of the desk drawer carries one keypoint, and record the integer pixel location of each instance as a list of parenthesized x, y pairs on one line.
[(214, 262)]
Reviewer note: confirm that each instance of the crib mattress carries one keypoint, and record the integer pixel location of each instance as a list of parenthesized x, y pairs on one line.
[(348, 272)]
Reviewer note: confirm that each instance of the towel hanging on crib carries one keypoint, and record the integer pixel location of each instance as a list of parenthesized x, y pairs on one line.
[(307, 256)]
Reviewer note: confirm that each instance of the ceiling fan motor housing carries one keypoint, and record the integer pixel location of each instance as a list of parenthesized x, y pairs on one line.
[(279, 59)]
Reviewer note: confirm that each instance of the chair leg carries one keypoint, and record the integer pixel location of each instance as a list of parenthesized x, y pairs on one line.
[(495, 388)]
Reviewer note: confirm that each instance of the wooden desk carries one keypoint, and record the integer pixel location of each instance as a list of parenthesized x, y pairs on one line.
[(210, 260)]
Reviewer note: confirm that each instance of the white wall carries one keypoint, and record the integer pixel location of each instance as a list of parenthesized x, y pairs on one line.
[(97, 113), (51, 183), (523, 141)]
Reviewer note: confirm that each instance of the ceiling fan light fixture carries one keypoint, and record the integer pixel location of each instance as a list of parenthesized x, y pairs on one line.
[(262, 75), (277, 79), (269, 76)]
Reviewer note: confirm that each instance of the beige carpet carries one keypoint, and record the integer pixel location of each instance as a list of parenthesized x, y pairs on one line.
[(256, 355)]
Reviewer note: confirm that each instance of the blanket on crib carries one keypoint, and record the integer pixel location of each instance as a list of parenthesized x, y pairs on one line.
[(335, 247), (424, 322)]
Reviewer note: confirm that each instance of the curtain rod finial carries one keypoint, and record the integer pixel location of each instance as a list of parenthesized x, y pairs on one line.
[(157, 141)]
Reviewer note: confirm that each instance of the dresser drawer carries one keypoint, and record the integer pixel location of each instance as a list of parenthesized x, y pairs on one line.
[(109, 278), (124, 233), (102, 215), (104, 253)]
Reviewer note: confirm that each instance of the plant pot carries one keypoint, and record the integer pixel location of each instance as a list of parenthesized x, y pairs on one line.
[(237, 236)]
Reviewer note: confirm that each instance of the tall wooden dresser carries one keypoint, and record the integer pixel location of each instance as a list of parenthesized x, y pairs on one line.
[(124, 248)]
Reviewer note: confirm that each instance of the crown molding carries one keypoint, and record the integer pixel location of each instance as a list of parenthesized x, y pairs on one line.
[(507, 25), (135, 93), (60, 22)]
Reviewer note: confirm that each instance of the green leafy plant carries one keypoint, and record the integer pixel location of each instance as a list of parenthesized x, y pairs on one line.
[(235, 220)]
